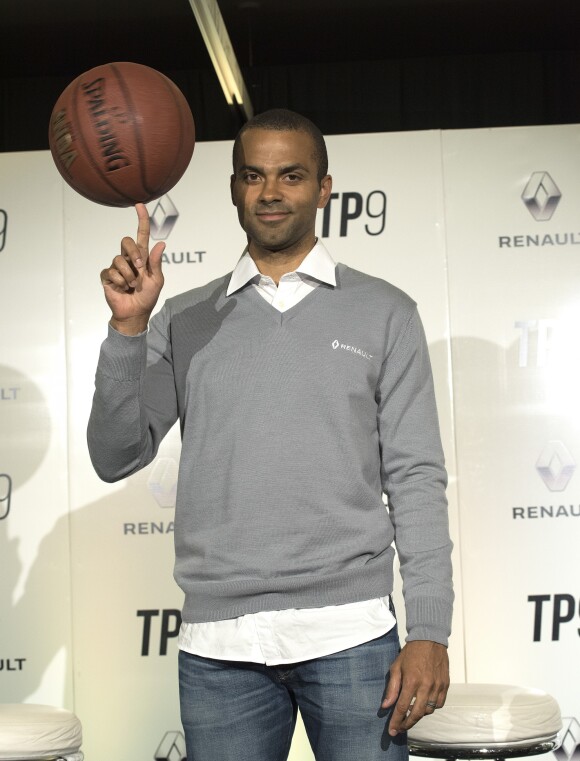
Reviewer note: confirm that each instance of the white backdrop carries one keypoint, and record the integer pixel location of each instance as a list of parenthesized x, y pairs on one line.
[(89, 607)]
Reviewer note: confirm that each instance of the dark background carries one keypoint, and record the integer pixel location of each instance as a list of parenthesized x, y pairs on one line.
[(352, 66)]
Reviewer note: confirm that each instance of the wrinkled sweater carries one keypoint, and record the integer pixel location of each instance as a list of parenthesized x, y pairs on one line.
[(293, 427)]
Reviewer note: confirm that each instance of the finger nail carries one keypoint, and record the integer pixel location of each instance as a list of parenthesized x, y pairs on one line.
[(139, 262)]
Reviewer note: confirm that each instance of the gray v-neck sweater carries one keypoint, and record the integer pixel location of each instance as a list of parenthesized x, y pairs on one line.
[(293, 426)]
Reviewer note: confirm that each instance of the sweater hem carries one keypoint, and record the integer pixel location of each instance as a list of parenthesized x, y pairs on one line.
[(216, 601)]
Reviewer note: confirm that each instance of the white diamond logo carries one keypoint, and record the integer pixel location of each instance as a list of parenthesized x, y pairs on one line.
[(162, 481), (163, 218), (171, 748), (569, 749), (541, 196), (555, 466)]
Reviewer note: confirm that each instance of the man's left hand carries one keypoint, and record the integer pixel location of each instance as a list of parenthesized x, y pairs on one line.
[(418, 683)]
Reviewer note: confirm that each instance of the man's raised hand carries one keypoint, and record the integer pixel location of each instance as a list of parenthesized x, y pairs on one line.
[(134, 280)]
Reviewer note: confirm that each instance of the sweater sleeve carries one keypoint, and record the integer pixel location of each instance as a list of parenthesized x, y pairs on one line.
[(414, 479), (134, 404)]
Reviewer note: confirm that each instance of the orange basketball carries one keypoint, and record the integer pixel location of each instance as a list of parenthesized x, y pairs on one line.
[(121, 134)]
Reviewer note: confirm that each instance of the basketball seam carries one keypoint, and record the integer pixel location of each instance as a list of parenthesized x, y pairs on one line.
[(172, 87), (136, 130)]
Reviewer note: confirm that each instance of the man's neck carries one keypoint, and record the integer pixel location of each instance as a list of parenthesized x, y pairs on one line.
[(274, 264)]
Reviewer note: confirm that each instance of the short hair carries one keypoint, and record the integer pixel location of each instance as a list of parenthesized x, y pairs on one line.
[(281, 119)]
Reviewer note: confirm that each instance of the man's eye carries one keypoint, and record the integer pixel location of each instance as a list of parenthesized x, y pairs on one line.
[(293, 177), (251, 177)]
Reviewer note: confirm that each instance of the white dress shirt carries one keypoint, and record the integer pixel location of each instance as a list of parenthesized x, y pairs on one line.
[(288, 636)]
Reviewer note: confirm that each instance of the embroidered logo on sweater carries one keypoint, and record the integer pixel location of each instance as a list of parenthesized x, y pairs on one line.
[(347, 347)]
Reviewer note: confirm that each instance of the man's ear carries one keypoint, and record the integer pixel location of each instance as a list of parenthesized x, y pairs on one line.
[(325, 191), (232, 181)]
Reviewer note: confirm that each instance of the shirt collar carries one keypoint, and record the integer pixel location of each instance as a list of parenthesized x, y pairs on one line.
[(317, 264)]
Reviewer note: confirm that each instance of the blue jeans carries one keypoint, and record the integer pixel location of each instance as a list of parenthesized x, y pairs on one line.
[(234, 711)]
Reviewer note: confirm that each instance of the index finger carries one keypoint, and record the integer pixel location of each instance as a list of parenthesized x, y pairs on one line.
[(401, 711), (143, 227)]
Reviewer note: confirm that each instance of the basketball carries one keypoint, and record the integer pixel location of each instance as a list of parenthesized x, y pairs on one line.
[(121, 134)]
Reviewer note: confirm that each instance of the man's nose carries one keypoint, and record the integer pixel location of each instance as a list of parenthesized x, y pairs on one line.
[(270, 190)]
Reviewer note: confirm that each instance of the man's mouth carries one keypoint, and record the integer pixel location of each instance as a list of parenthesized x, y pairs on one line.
[(273, 217)]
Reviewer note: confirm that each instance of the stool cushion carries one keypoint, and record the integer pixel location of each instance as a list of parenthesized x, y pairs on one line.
[(30, 732), (484, 714)]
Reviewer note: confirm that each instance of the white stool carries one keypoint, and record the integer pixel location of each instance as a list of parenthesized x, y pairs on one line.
[(39, 733), (491, 721)]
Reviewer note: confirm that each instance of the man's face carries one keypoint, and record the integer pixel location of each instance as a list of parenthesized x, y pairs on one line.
[(276, 190)]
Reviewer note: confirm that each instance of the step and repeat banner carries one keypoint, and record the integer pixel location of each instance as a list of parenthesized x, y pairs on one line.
[(512, 216), (482, 229)]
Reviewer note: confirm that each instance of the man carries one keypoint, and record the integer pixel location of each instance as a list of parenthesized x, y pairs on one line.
[(304, 392)]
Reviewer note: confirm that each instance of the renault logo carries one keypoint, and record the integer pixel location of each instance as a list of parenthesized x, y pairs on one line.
[(163, 218), (162, 481), (570, 740), (171, 748), (555, 466), (541, 195)]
